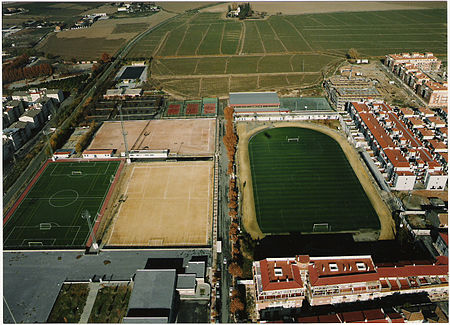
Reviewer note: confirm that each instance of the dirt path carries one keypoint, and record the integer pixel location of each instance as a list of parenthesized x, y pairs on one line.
[(221, 39), (190, 76), (201, 41), (163, 40), (260, 38), (242, 39), (246, 130), (277, 37)]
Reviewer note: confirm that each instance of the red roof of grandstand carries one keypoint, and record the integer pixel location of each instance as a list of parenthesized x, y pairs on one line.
[(328, 271), (289, 277)]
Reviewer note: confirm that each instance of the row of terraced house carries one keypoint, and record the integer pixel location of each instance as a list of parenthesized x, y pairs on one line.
[(408, 146), (287, 282), (414, 70)]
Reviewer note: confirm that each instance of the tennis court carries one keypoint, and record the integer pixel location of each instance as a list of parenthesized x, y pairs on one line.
[(49, 213), (302, 182)]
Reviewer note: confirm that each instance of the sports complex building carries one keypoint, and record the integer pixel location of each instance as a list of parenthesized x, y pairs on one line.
[(287, 282)]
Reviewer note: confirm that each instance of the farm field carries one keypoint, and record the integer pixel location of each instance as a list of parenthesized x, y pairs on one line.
[(295, 187), (168, 204), (205, 43), (49, 214)]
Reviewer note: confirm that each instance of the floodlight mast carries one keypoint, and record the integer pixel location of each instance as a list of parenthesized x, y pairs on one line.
[(124, 133), (86, 215)]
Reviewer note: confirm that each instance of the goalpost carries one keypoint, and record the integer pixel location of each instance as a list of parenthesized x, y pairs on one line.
[(297, 139), (35, 243), (321, 227), (77, 172), (45, 226)]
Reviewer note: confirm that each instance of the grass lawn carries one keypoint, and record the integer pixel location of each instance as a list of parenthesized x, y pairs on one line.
[(111, 304), (50, 213), (299, 184), (70, 303)]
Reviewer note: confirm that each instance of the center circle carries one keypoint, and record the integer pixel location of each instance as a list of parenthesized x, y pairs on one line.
[(63, 198)]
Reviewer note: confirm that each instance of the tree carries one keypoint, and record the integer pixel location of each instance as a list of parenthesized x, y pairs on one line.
[(236, 305), (352, 54), (105, 58), (235, 270)]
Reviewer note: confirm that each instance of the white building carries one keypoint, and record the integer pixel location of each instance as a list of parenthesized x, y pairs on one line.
[(98, 153), (435, 180)]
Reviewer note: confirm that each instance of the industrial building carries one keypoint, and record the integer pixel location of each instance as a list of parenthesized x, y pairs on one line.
[(343, 89), (286, 282), (395, 144)]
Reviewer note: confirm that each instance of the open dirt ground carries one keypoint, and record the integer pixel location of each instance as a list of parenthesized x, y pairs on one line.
[(312, 7), (246, 130), (180, 6), (167, 204), (183, 137), (105, 28)]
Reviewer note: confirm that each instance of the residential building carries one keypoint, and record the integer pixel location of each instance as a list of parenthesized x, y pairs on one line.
[(35, 117), (341, 90), (286, 282), (33, 95), (424, 61), (395, 140), (12, 110), (19, 132), (434, 93)]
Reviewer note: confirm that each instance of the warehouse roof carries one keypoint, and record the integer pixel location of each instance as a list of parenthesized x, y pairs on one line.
[(249, 98)]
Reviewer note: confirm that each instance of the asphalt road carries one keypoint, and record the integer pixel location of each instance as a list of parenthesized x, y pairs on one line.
[(224, 226)]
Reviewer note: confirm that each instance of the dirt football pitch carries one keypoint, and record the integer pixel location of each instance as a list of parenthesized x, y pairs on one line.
[(166, 204)]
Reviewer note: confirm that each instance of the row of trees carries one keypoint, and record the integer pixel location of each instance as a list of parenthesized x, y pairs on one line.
[(86, 138), (230, 140), (11, 75), (246, 11)]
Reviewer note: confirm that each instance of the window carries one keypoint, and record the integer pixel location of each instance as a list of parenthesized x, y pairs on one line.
[(278, 271), (361, 266), (333, 267)]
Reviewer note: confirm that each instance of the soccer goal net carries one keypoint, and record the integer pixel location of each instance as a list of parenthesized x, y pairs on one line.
[(77, 172), (321, 227), (45, 226), (293, 139), (35, 243)]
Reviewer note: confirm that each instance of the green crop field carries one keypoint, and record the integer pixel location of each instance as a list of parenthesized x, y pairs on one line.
[(284, 43), (50, 213), (300, 184)]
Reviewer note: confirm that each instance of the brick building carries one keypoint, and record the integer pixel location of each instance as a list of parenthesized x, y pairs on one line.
[(286, 282)]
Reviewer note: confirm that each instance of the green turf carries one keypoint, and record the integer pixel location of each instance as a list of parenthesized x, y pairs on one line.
[(58, 198), (299, 184)]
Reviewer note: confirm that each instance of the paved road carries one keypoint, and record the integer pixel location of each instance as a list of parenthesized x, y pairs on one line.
[(224, 226), (32, 280)]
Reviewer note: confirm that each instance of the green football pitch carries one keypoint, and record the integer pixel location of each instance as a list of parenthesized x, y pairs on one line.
[(50, 213), (302, 182)]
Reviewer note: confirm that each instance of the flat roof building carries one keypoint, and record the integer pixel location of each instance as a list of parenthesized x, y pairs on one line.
[(255, 102)]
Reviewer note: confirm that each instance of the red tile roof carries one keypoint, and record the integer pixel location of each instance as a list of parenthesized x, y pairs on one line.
[(412, 270), (436, 120), (98, 151), (374, 314), (309, 319), (329, 319), (437, 144), (353, 316), (396, 158), (444, 236), (415, 121), (321, 273), (383, 139), (290, 278), (407, 111)]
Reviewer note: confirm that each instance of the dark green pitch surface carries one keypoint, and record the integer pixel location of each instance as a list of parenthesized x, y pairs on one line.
[(299, 184), (59, 198)]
